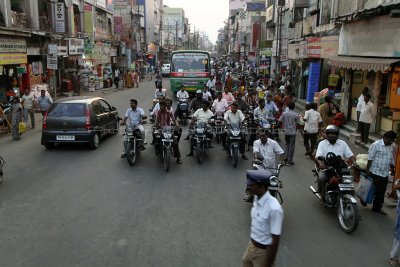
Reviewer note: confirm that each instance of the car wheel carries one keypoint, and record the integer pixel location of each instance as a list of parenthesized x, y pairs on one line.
[(94, 144), (49, 145)]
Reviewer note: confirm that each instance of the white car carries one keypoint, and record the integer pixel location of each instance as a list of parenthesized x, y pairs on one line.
[(165, 68)]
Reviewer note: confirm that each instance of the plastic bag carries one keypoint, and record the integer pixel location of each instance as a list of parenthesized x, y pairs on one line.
[(365, 189), (362, 160), (21, 127)]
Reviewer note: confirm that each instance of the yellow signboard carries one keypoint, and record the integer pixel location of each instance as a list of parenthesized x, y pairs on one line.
[(9, 59)]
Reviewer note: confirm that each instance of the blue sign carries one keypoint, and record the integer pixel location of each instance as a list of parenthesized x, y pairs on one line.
[(313, 81)]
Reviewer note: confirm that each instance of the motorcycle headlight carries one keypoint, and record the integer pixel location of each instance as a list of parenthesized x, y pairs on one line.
[(129, 131), (235, 132), (273, 181), (167, 135)]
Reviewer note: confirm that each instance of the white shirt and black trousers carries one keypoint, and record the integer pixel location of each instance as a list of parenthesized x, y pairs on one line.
[(366, 116), (382, 157), (266, 220), (312, 120)]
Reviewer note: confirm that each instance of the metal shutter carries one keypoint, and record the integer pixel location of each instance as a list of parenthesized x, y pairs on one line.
[(368, 4), (345, 7)]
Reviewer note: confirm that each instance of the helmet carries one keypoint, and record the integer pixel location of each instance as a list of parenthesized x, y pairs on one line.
[(199, 92), (332, 129)]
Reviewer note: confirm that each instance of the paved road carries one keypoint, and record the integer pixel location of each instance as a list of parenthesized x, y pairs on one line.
[(78, 207)]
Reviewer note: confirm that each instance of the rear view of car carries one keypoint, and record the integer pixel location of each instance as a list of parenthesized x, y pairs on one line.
[(78, 120), (165, 69)]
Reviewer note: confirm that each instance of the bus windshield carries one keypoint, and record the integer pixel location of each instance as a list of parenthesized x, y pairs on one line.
[(190, 62)]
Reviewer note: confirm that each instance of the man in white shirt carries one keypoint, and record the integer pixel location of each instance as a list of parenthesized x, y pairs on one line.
[(202, 115), (358, 108), (235, 116), (211, 85), (134, 116), (266, 222), (219, 105), (182, 97), (366, 116), (27, 103), (261, 112), (206, 94), (265, 149), (336, 146), (312, 123)]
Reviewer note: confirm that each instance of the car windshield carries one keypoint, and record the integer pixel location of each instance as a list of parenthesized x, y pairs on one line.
[(67, 110), (190, 62)]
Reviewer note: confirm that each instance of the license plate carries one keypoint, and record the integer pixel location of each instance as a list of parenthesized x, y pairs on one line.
[(166, 140), (346, 187), (65, 137), (273, 188)]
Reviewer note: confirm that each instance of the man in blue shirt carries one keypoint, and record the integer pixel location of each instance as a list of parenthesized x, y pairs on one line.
[(380, 161)]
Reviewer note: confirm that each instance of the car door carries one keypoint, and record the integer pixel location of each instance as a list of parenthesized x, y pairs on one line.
[(108, 114), (100, 117)]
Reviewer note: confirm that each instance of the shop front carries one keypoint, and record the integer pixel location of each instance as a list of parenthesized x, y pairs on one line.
[(13, 66), (97, 63), (369, 53)]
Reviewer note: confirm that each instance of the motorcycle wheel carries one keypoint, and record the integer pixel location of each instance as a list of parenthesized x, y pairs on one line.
[(166, 158), (235, 156), (349, 219), (199, 153), (130, 151)]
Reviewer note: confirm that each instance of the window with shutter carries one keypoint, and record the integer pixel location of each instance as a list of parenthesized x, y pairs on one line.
[(368, 4), (345, 7)]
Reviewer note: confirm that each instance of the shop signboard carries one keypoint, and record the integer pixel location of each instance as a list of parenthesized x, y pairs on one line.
[(314, 47), (117, 24), (62, 50), (113, 52), (52, 49), (329, 46), (110, 5), (11, 45), (376, 37), (59, 17), (52, 62), (76, 46), (13, 58), (313, 80)]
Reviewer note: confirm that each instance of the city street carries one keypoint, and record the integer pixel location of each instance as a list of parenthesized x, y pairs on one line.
[(73, 206)]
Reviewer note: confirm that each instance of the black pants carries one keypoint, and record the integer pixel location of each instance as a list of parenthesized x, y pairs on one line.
[(364, 130), (358, 121), (380, 184), (310, 140), (116, 82)]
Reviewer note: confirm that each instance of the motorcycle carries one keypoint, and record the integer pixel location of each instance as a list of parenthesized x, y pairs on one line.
[(183, 107), (163, 145), (218, 126), (200, 140), (2, 162), (132, 143), (274, 181), (340, 192), (233, 142)]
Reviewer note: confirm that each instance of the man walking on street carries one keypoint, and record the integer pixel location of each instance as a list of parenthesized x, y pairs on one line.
[(289, 120), (312, 122), (266, 222), (116, 77), (367, 113), (27, 103), (380, 161), (44, 102)]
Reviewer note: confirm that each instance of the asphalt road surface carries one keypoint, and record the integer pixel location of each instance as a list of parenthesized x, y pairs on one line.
[(73, 206)]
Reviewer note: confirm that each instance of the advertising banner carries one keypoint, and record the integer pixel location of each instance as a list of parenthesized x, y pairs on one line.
[(329, 46), (11, 59), (52, 62), (88, 19), (314, 47), (59, 17)]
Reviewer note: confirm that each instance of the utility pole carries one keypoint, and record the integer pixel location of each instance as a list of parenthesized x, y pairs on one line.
[(176, 34)]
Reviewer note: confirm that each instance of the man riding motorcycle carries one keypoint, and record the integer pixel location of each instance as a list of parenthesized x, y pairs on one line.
[(135, 115), (235, 116), (202, 115), (166, 118), (182, 96), (336, 146)]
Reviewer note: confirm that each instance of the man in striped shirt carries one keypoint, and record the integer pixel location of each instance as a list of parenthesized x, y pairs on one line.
[(380, 161)]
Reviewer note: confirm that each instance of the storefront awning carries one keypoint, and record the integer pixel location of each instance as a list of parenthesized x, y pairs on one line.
[(362, 63)]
